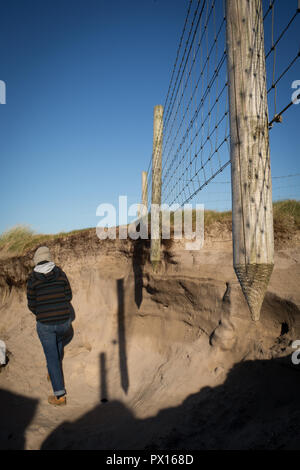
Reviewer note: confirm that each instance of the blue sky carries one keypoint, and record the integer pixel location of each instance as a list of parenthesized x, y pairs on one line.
[(82, 79)]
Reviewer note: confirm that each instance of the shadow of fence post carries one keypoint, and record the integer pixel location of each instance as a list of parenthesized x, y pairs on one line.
[(103, 380), (122, 336)]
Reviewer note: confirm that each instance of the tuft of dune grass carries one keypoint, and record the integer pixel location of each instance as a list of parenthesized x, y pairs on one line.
[(286, 215), (22, 238), (16, 238)]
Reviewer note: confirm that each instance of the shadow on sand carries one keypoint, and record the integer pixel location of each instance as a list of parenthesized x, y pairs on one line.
[(70, 333), (16, 413), (257, 407), (140, 251), (122, 337)]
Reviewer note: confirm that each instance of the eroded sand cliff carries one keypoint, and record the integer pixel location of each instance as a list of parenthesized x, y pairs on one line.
[(165, 360)]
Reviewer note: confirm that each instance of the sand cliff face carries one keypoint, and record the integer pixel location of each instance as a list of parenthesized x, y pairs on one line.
[(141, 342)]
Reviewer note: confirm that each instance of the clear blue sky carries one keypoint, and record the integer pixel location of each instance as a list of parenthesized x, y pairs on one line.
[(82, 79)]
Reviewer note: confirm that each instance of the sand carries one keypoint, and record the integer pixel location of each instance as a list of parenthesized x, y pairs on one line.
[(165, 360)]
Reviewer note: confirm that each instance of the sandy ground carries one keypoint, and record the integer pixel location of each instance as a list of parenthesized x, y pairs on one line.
[(166, 360)]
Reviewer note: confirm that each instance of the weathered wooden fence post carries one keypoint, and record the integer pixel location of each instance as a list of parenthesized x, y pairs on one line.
[(145, 190), (156, 186), (144, 204), (252, 213)]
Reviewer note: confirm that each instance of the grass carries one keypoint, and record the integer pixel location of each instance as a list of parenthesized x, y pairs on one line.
[(286, 215), (22, 238), (210, 217)]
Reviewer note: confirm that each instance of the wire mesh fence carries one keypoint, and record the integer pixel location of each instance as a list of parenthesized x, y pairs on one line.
[(196, 134), (281, 27), (217, 195)]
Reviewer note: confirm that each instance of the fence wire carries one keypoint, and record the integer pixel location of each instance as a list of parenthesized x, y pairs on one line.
[(217, 195), (195, 128), (281, 30)]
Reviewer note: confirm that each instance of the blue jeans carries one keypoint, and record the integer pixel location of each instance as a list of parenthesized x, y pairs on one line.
[(51, 337)]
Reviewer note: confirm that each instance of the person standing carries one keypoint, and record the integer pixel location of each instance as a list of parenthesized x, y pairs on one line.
[(48, 296)]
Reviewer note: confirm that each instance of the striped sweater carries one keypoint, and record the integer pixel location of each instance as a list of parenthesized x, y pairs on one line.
[(49, 296)]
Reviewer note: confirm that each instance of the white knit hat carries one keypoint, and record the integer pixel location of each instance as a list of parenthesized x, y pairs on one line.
[(42, 254)]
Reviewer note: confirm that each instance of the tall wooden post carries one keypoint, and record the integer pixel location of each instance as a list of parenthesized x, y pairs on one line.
[(143, 207), (145, 189), (252, 213), (156, 186)]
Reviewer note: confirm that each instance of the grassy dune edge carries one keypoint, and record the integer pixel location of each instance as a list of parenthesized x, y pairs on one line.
[(21, 238)]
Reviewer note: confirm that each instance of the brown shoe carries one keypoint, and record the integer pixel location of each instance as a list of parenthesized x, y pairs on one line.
[(53, 400)]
